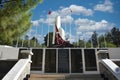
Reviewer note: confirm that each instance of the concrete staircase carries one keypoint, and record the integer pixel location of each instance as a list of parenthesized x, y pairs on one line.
[(65, 77)]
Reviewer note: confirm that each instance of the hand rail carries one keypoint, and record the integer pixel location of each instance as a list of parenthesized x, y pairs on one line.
[(112, 67), (19, 71)]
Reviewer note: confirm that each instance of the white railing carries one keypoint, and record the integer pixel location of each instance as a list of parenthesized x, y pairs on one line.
[(21, 69), (112, 67)]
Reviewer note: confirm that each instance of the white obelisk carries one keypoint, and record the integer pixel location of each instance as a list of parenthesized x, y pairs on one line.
[(60, 29)]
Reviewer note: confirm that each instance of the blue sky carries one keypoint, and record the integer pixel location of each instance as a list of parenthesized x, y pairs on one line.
[(86, 16)]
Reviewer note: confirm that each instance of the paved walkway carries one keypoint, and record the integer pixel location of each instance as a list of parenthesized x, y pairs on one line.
[(65, 77)]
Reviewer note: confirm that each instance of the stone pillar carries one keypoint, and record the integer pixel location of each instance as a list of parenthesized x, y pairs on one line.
[(27, 54)]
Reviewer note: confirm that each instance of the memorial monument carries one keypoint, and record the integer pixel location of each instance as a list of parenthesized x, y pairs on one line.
[(59, 39)]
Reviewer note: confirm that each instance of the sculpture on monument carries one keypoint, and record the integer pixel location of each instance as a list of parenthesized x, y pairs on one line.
[(59, 35)]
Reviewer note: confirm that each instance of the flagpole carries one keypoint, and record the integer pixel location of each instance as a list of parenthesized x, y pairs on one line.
[(18, 32), (18, 39), (98, 42), (70, 25), (91, 43), (104, 40), (35, 37), (48, 29), (84, 42), (77, 36), (42, 32), (97, 37), (53, 40), (77, 40), (65, 26), (29, 39), (22, 42), (17, 42), (48, 35)]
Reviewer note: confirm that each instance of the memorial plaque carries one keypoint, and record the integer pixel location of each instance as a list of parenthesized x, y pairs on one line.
[(50, 61), (76, 61), (37, 59), (90, 60), (63, 60)]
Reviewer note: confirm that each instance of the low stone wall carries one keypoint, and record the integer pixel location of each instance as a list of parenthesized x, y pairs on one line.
[(114, 53), (8, 52)]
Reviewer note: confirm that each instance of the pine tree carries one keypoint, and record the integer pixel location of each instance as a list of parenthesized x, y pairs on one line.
[(94, 39), (50, 39), (115, 36), (15, 18)]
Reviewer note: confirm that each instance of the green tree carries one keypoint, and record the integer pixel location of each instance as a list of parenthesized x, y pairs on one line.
[(94, 39), (108, 37), (15, 19), (33, 42), (50, 39), (108, 40), (80, 43), (115, 36), (88, 44), (102, 41)]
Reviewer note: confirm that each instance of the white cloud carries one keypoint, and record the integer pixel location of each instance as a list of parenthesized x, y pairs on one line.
[(107, 6), (67, 19), (81, 10), (40, 38), (50, 21), (65, 13), (41, 20), (75, 10), (86, 26), (71, 38), (35, 23)]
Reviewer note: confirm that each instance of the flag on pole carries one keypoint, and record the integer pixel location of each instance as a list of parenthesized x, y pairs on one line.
[(49, 12)]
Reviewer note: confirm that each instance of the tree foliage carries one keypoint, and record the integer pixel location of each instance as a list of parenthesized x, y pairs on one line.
[(94, 39), (109, 39), (26, 42), (115, 36), (15, 19), (50, 39), (80, 43)]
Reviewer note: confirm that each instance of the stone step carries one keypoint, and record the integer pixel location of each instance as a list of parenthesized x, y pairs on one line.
[(65, 77)]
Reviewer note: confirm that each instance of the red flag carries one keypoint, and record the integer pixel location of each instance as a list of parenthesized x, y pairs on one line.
[(49, 12)]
